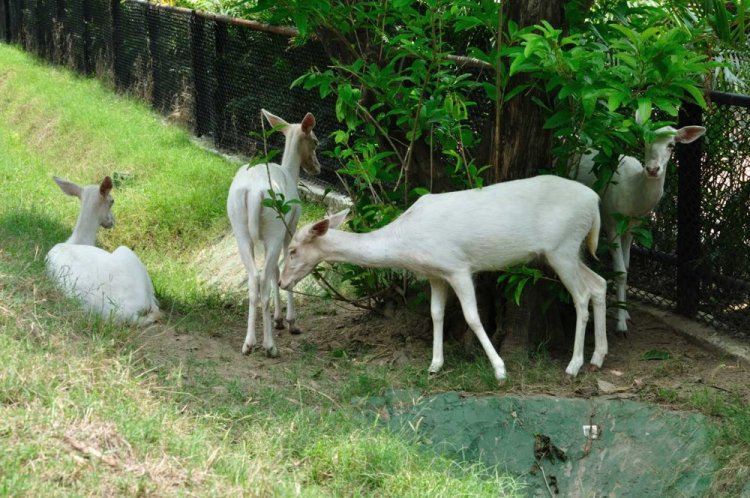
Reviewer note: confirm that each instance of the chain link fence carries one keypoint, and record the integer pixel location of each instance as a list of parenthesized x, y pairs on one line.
[(213, 74)]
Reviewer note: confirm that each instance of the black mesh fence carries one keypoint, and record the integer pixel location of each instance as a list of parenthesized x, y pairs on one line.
[(214, 74), (211, 73)]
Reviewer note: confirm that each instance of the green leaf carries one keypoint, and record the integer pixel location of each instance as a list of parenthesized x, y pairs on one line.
[(656, 355), (615, 100), (519, 65), (694, 92), (515, 91), (558, 119), (589, 104), (644, 109), (628, 59), (629, 33), (519, 291)]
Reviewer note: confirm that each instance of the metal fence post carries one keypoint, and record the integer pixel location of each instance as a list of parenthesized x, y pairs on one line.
[(6, 21), (115, 10), (201, 77), (689, 158), (58, 38), (152, 25), (220, 72), (88, 66)]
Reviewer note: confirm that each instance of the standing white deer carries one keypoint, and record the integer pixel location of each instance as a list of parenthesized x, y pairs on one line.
[(114, 285), (252, 224), (634, 191), (448, 237)]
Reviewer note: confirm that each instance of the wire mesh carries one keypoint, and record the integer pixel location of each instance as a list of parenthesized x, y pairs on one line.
[(4, 22), (214, 74), (725, 220), (133, 61)]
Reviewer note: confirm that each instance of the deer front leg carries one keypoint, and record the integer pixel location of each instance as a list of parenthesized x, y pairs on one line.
[(439, 291)]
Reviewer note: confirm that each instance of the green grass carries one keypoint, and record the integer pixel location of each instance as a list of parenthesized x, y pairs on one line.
[(83, 411), (731, 437)]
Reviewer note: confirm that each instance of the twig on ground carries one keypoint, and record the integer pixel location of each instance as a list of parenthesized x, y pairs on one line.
[(544, 476), (91, 451)]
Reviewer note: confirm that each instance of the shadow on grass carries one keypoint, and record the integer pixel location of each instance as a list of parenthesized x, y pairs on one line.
[(28, 234)]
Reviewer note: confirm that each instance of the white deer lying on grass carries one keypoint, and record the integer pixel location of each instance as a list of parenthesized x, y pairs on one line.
[(634, 191), (252, 224), (448, 237), (114, 285)]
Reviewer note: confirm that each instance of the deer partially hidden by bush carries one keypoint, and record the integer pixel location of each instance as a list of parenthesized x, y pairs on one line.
[(448, 237), (634, 191), (113, 285)]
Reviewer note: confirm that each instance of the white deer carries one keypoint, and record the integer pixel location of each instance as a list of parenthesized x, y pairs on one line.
[(634, 191), (114, 285), (448, 237), (253, 224)]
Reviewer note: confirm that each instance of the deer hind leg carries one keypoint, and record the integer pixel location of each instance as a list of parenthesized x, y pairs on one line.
[(568, 268), (598, 288), (245, 246), (269, 284)]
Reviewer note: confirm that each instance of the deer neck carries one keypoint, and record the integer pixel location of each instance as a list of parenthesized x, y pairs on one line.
[(84, 232), (291, 160), (648, 191), (373, 249)]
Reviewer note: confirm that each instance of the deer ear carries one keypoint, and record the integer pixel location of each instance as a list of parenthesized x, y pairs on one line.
[(308, 123), (320, 228), (688, 134), (275, 121), (69, 188), (338, 218), (105, 186)]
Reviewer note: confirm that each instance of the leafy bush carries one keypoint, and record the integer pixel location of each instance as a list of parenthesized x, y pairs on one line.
[(412, 113)]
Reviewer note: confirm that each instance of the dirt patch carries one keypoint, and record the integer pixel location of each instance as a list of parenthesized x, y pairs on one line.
[(328, 331), (89, 444), (653, 363)]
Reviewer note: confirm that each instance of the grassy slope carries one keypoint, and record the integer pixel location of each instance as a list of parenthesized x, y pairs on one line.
[(78, 414)]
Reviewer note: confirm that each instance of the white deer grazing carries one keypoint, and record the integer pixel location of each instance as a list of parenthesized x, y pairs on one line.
[(114, 285), (448, 237), (634, 191), (253, 224)]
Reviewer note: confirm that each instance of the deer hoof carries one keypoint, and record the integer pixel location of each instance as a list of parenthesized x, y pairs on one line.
[(272, 352)]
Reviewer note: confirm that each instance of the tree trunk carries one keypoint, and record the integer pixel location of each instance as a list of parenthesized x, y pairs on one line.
[(525, 147)]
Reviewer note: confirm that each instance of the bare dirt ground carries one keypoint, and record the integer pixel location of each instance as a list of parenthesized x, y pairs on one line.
[(678, 366)]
